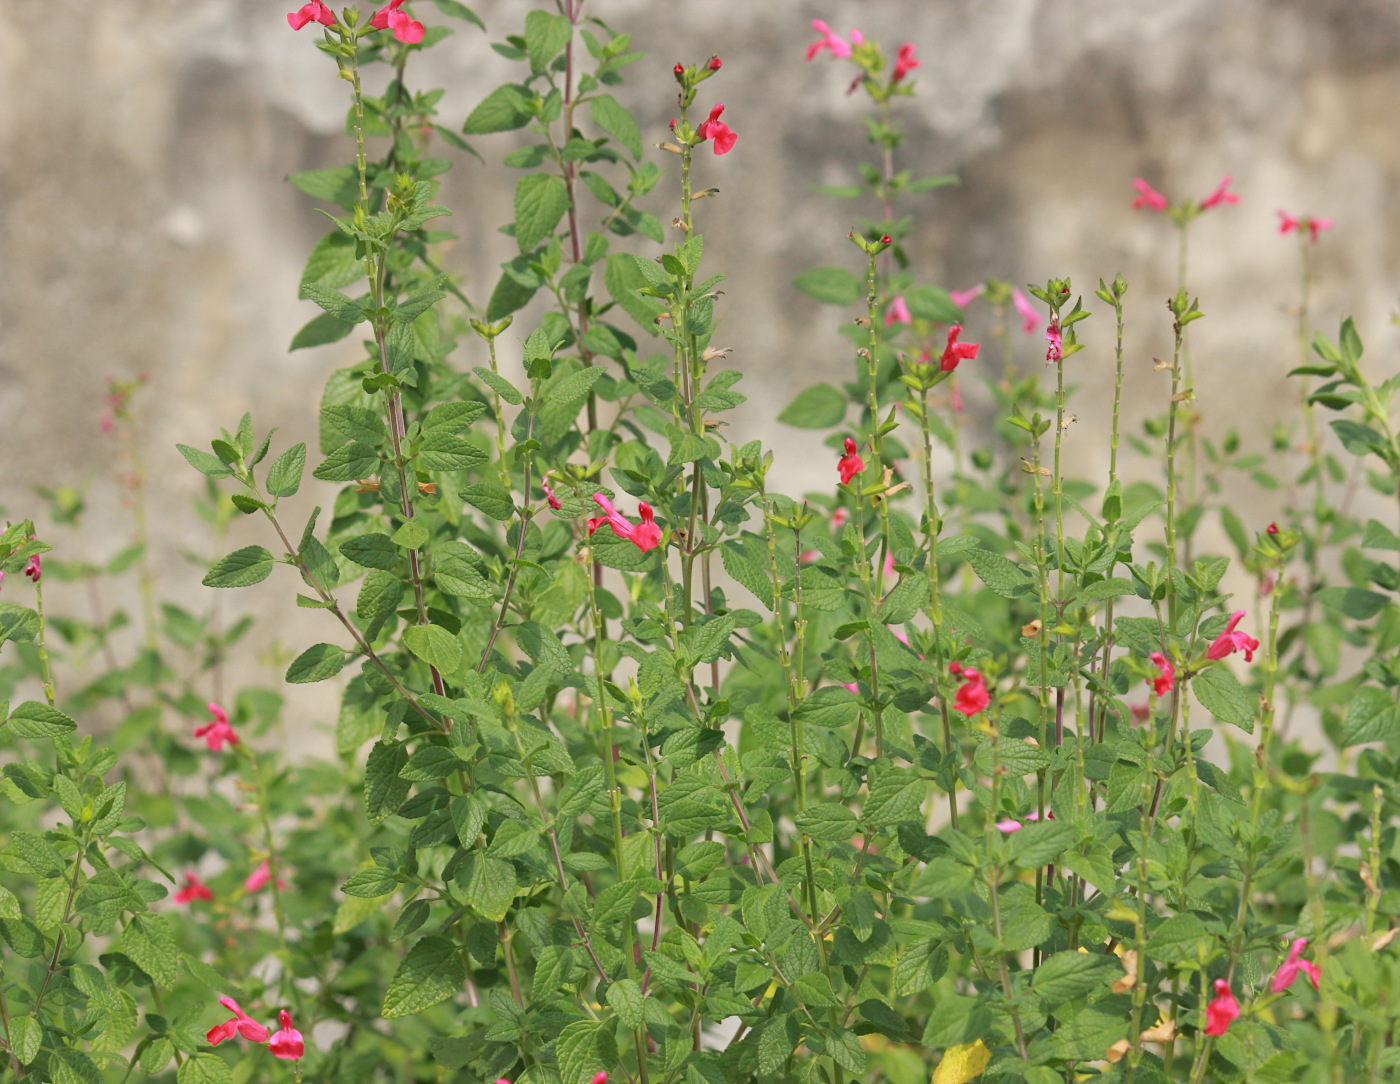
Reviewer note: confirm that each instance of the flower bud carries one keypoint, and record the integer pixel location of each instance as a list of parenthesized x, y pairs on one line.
[(715, 64)]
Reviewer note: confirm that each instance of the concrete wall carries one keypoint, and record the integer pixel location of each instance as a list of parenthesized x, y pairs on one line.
[(145, 224)]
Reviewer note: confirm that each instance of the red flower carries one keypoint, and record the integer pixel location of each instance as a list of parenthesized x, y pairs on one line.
[(646, 535), (1314, 226), (716, 63), (287, 1044), (405, 28), (1273, 528), (260, 878), (240, 1024), (611, 516), (549, 495), (1163, 682), (1148, 197), (839, 49), (1229, 641), (972, 695), (679, 69), (599, 1077), (314, 10), (34, 570), (194, 889), (898, 312), (1055, 351), (905, 62), (955, 351), (1288, 970), (1220, 195), (714, 128), (1222, 1011), (850, 464), (217, 730)]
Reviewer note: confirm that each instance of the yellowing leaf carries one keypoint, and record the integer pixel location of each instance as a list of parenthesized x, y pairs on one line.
[(1117, 1050), (961, 1063)]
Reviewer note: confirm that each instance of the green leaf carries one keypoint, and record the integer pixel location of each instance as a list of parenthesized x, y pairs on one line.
[(430, 764), (35, 720), (337, 305), (584, 1048), (819, 407), (431, 972), (204, 1068), (1354, 602), (1067, 976), (576, 386), (1220, 693), (830, 285), (317, 663), (339, 184), (625, 997), (1178, 939), (241, 568), (319, 331), (896, 795), (411, 536), (544, 647), (333, 262), (204, 462), (458, 10), (488, 885), (545, 37), (829, 822), (500, 111), (284, 476), (372, 551), (1004, 577), (347, 463), (613, 118), (490, 498), (540, 202), (844, 1047), (150, 944), (435, 646), (1372, 715), (443, 450), (26, 1036), (1377, 536), (931, 303), (373, 883), (814, 989), (385, 790), (500, 385), (1040, 843), (583, 789)]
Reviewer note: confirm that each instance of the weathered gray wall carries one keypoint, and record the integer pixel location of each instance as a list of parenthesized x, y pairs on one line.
[(145, 225)]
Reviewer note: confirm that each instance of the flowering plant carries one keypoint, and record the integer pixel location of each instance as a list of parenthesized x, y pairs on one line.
[(898, 778)]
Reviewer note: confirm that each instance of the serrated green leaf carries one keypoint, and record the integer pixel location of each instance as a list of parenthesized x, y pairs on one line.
[(372, 551), (150, 944), (284, 476), (829, 822), (317, 663), (435, 646), (540, 202), (241, 568), (431, 972), (385, 790), (819, 407), (613, 118), (35, 720), (1221, 694)]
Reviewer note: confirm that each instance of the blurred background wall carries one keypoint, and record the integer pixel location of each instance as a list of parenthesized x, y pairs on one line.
[(146, 226)]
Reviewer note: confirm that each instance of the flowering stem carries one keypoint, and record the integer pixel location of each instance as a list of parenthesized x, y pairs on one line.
[(1179, 335), (1043, 633), (42, 640), (931, 525)]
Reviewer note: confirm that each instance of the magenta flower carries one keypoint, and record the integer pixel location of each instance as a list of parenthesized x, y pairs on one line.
[(1230, 640), (963, 298), (1009, 825), (955, 351), (287, 1044), (714, 128), (839, 517), (260, 878), (599, 1077), (611, 516), (316, 11), (851, 687), (1030, 319), (839, 49), (1055, 351), (850, 464), (716, 63), (1222, 1011), (1163, 682), (217, 731), (1148, 197), (194, 889), (1288, 970), (549, 495), (646, 535), (972, 696), (34, 570), (1220, 195), (905, 61), (1314, 226), (898, 312), (240, 1024), (405, 28)]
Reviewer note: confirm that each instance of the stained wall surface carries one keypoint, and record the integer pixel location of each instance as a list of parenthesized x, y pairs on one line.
[(146, 226)]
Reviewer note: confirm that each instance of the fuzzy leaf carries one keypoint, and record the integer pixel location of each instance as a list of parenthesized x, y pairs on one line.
[(431, 972)]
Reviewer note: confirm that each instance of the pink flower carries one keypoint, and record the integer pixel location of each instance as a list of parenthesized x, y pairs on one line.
[(549, 495), (1055, 351), (260, 878), (240, 1024), (646, 535), (1230, 640), (808, 556), (1141, 713), (599, 1077), (1288, 970), (287, 1044), (850, 464), (1148, 197), (898, 312), (1220, 195), (615, 519), (963, 298), (403, 25), (839, 49), (34, 570), (1030, 318), (194, 889), (314, 10), (857, 38), (851, 687), (955, 351), (905, 61), (889, 571), (217, 731), (1314, 226), (839, 517), (107, 423), (714, 128), (1222, 1011), (716, 63), (1163, 682), (1008, 825), (972, 695)]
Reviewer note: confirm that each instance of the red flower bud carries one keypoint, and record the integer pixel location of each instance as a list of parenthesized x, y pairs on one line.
[(1273, 528), (679, 69), (885, 240), (715, 64)]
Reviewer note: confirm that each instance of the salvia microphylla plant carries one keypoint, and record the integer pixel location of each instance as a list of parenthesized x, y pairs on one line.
[(646, 772)]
